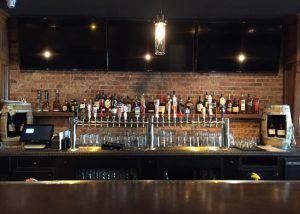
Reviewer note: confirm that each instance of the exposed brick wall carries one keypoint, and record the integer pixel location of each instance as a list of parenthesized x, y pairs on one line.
[(23, 84)]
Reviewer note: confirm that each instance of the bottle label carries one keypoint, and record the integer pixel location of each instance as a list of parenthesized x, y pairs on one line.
[(222, 101), (65, 108), (235, 109), (281, 132), (96, 103), (161, 109), (137, 111), (11, 127), (128, 105), (199, 107), (243, 105), (82, 105), (107, 104), (271, 131)]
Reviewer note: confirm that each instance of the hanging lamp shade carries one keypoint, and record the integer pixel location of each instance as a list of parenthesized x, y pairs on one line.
[(160, 34)]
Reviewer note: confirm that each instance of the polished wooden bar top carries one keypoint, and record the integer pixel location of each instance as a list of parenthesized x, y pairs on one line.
[(134, 197)]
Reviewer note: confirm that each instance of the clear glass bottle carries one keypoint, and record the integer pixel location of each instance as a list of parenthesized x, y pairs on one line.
[(46, 105), (39, 107), (56, 103)]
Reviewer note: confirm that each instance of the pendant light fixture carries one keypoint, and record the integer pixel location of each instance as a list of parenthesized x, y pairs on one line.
[(160, 34), (11, 3)]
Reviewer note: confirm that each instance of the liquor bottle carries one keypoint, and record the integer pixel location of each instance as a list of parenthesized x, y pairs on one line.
[(127, 103), (168, 106), (66, 106), (205, 103), (199, 105), (174, 105), (11, 127), (209, 105), (107, 105), (83, 109), (280, 131), (39, 107), (114, 103), (256, 104), (229, 105), (46, 105), (162, 104), (242, 104), (235, 107), (271, 129), (190, 105), (56, 103), (181, 106), (143, 106), (150, 108), (120, 108), (136, 103), (214, 104), (97, 99), (249, 105), (222, 105), (74, 105), (89, 106)]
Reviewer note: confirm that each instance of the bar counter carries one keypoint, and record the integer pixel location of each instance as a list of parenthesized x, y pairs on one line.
[(150, 197), (167, 151)]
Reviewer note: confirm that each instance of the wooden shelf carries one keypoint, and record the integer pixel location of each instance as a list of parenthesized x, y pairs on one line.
[(53, 114), (131, 115), (241, 116)]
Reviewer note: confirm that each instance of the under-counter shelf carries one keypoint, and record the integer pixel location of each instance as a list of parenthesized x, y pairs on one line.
[(53, 114)]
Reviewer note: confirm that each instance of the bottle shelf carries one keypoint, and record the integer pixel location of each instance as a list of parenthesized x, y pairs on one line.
[(241, 116), (131, 115), (53, 114)]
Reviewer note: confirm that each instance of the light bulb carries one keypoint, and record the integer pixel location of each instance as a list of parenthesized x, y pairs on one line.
[(47, 54), (11, 3)]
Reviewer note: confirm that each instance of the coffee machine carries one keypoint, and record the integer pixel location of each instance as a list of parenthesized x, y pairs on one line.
[(276, 126), (14, 115)]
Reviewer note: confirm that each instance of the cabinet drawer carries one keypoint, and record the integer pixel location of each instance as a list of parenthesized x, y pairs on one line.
[(34, 162)]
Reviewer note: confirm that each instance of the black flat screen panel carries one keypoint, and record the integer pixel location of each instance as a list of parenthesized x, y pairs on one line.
[(73, 44), (220, 44)]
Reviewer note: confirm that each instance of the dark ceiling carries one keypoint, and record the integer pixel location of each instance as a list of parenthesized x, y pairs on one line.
[(173, 9)]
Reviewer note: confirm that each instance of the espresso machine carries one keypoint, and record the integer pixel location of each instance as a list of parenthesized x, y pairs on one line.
[(276, 126), (14, 115)]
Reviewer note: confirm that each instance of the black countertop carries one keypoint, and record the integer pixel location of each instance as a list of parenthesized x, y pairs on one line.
[(187, 151)]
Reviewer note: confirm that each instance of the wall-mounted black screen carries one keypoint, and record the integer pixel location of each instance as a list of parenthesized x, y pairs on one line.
[(129, 41), (81, 43), (74, 43), (220, 44)]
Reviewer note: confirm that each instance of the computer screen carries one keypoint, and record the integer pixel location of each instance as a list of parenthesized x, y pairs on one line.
[(37, 133)]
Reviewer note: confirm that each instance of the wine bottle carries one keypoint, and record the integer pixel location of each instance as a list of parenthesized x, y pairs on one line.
[(280, 131), (271, 129)]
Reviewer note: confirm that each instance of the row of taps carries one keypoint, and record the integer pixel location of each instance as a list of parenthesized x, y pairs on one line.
[(137, 122)]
